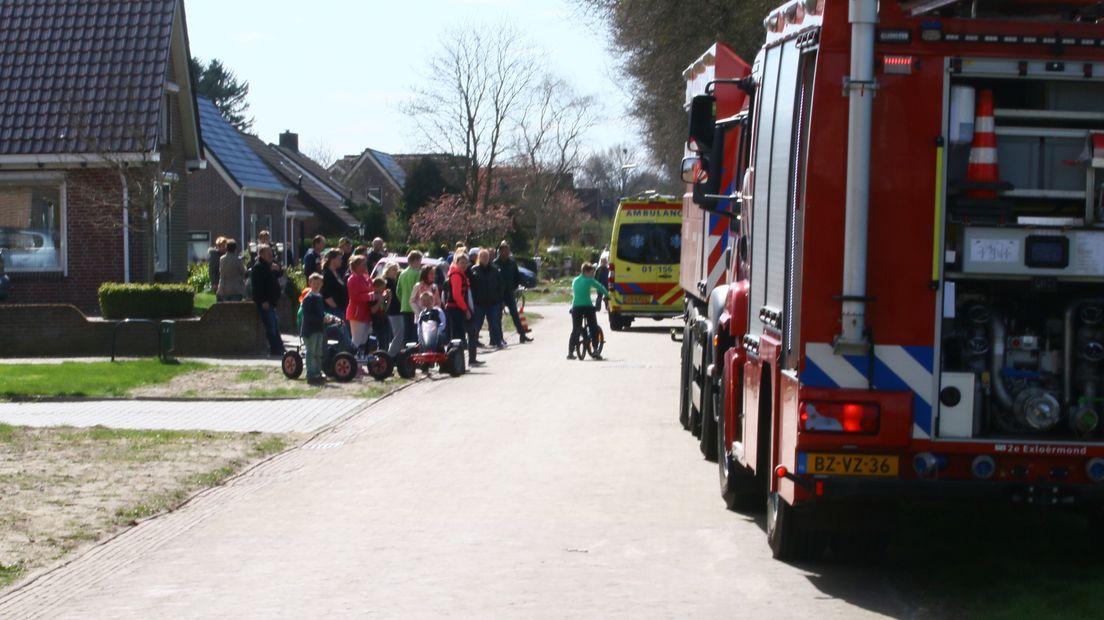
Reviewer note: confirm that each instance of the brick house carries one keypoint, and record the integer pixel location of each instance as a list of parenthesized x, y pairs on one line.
[(237, 196), (321, 204), (373, 176), (98, 131)]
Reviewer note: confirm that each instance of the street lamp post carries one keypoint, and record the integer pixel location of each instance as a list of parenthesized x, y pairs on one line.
[(624, 169)]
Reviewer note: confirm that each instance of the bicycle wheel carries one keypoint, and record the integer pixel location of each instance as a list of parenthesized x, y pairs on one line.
[(596, 344), (582, 346)]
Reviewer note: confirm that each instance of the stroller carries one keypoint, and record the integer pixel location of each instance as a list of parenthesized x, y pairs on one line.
[(431, 349), (340, 360)]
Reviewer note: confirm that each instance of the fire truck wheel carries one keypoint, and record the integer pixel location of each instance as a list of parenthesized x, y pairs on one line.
[(788, 533), (684, 381), (741, 489), (708, 443)]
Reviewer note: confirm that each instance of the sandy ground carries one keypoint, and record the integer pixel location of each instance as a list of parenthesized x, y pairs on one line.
[(63, 488), (264, 380)]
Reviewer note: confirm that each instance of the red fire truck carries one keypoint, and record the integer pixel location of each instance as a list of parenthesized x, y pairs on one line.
[(915, 307)]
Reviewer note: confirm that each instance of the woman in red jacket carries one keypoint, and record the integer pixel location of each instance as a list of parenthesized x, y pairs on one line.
[(361, 298), (457, 311)]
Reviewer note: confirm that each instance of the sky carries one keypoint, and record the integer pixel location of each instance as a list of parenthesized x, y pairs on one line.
[(338, 71)]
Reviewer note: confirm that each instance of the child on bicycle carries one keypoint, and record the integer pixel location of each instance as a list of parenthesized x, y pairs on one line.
[(582, 306), (312, 330)]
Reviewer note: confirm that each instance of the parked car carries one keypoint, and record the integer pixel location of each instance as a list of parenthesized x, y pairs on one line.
[(527, 276), (28, 250), (401, 260)]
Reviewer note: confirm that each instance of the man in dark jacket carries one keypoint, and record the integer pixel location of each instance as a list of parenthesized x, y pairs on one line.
[(265, 280), (510, 280), (377, 253), (312, 260), (486, 290)]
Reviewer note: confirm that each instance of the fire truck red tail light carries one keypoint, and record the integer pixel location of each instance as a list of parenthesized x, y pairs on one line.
[(830, 417)]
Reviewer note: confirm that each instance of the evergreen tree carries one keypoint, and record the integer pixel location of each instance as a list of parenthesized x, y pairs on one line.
[(425, 183), (219, 84)]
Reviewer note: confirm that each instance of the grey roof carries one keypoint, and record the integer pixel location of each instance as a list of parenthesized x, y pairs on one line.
[(228, 146), (279, 162), (390, 166), (82, 76), (315, 169)]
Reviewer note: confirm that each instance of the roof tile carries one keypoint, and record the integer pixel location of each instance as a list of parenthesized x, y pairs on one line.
[(53, 52)]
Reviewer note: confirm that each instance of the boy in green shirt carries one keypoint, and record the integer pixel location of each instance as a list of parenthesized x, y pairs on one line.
[(404, 288), (582, 306)]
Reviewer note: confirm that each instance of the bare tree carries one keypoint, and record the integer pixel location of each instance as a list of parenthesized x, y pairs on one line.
[(141, 200), (620, 171), (656, 40), (551, 128), (474, 85), (321, 153)]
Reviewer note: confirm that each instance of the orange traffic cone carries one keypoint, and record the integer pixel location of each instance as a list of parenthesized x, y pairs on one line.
[(982, 169)]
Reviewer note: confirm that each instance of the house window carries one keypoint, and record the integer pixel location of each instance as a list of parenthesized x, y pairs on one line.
[(32, 225), (162, 208), (198, 243)]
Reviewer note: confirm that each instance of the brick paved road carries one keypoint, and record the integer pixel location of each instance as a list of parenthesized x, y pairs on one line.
[(533, 488)]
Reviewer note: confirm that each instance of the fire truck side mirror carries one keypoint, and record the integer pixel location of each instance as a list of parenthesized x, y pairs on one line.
[(690, 168), (703, 121)]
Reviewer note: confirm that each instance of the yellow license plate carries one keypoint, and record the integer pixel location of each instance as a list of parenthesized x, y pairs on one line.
[(849, 464), (638, 300)]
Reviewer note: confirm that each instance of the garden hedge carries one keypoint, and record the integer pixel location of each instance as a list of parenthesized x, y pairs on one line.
[(146, 301)]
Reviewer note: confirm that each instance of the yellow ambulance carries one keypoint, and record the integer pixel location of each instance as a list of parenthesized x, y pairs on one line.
[(644, 261)]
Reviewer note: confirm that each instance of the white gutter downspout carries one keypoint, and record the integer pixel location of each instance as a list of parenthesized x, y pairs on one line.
[(860, 87), (126, 228), (287, 239), (241, 238)]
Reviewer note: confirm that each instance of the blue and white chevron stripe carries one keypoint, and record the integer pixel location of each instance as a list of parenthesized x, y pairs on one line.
[(896, 368)]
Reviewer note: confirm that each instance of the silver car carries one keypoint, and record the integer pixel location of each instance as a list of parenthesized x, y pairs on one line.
[(29, 250)]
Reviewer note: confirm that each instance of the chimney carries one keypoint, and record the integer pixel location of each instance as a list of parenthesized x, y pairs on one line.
[(290, 141)]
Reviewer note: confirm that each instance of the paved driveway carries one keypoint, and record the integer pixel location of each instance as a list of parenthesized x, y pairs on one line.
[(534, 487)]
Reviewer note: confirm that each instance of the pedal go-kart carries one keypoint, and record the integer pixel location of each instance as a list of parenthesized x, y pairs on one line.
[(430, 350), (339, 361)]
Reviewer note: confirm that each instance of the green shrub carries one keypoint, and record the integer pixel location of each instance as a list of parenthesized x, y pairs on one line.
[(199, 278), (296, 283), (146, 301)]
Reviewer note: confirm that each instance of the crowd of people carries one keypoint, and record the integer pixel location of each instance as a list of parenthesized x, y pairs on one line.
[(366, 294), (362, 296)]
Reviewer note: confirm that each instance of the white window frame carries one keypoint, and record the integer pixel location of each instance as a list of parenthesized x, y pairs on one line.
[(46, 178)]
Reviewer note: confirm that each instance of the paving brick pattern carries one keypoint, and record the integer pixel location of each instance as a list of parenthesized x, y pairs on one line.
[(266, 416), (567, 490)]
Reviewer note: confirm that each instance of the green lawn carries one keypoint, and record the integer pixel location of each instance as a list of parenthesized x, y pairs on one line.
[(203, 301), (86, 379)]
